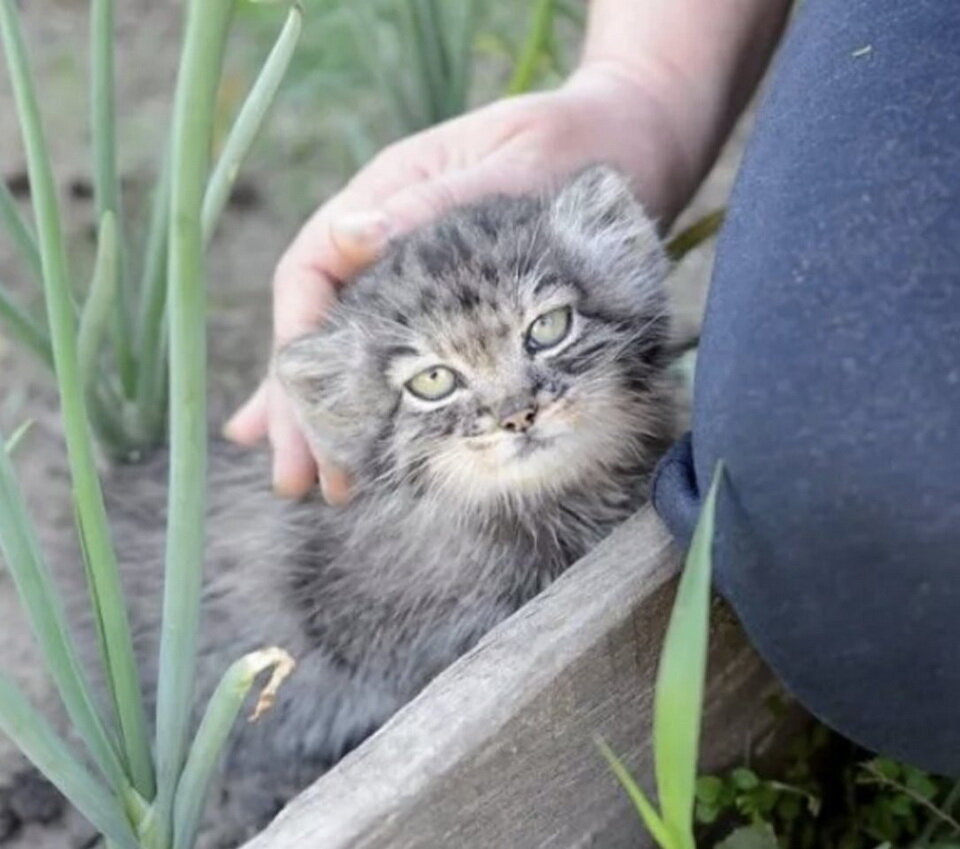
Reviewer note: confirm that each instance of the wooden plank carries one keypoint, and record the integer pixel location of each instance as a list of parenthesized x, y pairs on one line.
[(498, 752)]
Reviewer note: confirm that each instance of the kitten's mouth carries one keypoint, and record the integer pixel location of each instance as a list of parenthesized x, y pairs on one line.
[(528, 444)]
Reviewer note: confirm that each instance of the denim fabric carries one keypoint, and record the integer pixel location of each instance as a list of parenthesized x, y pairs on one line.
[(829, 377)]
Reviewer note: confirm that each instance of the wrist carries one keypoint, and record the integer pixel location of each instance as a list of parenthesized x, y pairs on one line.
[(638, 121)]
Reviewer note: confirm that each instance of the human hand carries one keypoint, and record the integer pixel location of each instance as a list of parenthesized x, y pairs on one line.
[(523, 144)]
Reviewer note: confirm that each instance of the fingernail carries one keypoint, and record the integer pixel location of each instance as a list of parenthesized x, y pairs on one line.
[(369, 229), (228, 431), (336, 491)]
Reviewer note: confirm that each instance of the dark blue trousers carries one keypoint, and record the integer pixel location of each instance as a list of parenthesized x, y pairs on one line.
[(828, 378)]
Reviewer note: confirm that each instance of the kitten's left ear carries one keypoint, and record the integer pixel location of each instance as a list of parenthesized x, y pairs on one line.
[(332, 383), (597, 217)]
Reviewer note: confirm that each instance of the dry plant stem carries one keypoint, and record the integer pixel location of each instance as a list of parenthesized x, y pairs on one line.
[(695, 235), (109, 608), (197, 82), (220, 716)]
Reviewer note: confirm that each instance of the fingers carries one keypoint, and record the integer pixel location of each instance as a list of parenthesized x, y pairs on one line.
[(294, 467), (335, 485), (301, 297), (248, 425), (421, 203), (360, 238)]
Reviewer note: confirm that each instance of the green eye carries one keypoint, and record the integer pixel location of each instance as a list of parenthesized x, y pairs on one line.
[(549, 329), (433, 384)]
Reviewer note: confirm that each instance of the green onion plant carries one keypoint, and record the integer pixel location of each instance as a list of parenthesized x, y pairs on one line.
[(124, 348), (139, 791), (678, 700), (384, 69)]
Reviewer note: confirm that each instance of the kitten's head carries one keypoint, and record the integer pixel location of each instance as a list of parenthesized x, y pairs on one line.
[(511, 350)]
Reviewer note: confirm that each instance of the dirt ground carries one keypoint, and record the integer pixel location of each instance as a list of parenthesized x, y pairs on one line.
[(252, 237)]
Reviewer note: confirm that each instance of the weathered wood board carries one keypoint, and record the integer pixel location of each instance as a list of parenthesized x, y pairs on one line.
[(498, 752)]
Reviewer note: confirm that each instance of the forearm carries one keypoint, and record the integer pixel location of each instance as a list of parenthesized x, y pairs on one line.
[(695, 64)]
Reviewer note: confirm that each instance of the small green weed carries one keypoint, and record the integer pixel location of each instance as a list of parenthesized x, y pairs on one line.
[(830, 794)]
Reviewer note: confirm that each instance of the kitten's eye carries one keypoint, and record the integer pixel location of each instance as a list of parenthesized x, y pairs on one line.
[(549, 329), (433, 384)]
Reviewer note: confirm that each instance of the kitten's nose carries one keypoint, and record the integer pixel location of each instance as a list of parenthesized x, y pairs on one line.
[(517, 414)]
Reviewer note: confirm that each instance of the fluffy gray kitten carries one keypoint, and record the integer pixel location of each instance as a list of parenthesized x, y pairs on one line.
[(495, 386)]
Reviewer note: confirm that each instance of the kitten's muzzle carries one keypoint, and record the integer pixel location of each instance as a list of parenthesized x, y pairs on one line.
[(517, 414)]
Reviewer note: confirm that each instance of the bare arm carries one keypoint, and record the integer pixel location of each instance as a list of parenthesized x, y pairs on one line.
[(699, 61), (660, 84)]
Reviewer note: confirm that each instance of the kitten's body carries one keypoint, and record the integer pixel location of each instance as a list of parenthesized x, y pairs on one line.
[(462, 511)]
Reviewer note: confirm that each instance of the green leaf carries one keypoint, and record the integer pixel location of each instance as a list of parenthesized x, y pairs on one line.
[(920, 783), (789, 807), (249, 121), (744, 779), (651, 819), (192, 135), (106, 180), (152, 342), (678, 700), (22, 327), (48, 753), (534, 48), (103, 572), (19, 232), (901, 805), (706, 813), (97, 309), (709, 788), (752, 837), (34, 585), (887, 768), (17, 437), (41, 602)]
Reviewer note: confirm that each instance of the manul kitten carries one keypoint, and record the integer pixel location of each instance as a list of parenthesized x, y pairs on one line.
[(495, 387)]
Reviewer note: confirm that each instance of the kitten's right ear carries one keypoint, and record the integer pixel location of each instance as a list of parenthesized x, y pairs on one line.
[(598, 217), (332, 385)]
